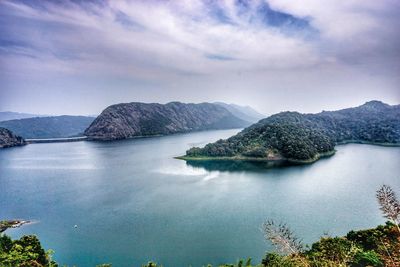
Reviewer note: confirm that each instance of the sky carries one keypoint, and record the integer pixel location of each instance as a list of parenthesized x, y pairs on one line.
[(78, 57)]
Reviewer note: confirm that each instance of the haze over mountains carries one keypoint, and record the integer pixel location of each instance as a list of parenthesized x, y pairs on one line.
[(48, 127), (10, 115), (245, 113)]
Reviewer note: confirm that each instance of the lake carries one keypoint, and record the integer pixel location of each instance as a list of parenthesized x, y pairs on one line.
[(133, 202)]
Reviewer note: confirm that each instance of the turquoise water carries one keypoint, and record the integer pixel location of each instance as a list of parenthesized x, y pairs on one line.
[(133, 202)]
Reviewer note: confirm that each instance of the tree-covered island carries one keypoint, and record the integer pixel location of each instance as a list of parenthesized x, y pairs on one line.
[(304, 138)]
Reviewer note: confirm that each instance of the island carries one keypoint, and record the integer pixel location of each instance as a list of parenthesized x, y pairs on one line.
[(296, 138)]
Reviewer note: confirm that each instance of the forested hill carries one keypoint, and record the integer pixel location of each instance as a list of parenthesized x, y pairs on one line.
[(305, 137), (48, 127), (128, 120)]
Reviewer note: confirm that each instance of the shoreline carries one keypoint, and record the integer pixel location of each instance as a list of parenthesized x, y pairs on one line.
[(287, 160), (314, 159), (6, 224), (253, 159), (95, 139), (55, 140), (361, 142)]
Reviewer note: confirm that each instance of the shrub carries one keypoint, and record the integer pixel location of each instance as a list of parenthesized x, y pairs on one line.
[(367, 258)]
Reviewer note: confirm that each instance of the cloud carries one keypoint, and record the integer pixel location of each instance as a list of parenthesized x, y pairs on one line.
[(259, 44), (352, 31), (219, 57), (120, 36)]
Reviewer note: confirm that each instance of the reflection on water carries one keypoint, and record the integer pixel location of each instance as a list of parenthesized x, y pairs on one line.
[(236, 165), (134, 202)]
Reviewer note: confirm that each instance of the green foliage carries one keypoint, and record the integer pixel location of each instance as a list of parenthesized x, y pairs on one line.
[(370, 239), (376, 247), (337, 249), (292, 142), (303, 137), (240, 263), (151, 264), (26, 251), (273, 259), (5, 243), (366, 258)]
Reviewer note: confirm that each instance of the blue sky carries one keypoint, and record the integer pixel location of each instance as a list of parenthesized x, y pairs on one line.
[(77, 57)]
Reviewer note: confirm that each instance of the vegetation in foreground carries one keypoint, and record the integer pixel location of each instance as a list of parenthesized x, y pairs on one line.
[(24, 252), (376, 247)]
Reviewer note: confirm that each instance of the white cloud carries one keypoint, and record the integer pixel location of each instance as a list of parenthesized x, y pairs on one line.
[(171, 37), (211, 46), (350, 26)]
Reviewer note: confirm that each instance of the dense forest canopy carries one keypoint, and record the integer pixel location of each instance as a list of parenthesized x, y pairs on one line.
[(296, 136)]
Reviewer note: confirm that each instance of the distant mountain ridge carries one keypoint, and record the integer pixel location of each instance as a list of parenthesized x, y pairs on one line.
[(9, 139), (127, 120), (48, 127), (245, 113), (296, 137), (10, 115)]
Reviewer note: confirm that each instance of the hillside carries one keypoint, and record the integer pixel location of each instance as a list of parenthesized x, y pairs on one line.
[(135, 119), (9, 139), (48, 127), (296, 137), (245, 113)]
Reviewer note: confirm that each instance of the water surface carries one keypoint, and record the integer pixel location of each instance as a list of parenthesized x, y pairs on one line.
[(133, 202)]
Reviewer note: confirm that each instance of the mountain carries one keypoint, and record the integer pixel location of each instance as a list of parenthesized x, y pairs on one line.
[(9, 139), (128, 120), (48, 127), (296, 137), (245, 113), (9, 115)]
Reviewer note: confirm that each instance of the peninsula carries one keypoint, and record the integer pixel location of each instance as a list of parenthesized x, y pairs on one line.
[(304, 138), (4, 225), (128, 120)]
